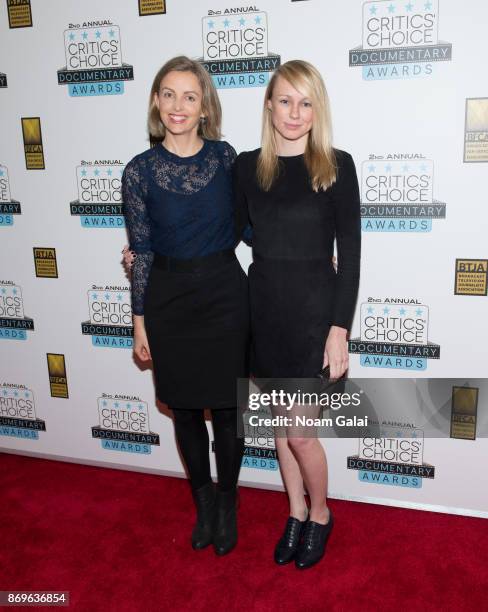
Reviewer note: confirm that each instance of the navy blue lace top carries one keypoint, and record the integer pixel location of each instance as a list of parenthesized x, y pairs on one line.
[(177, 206)]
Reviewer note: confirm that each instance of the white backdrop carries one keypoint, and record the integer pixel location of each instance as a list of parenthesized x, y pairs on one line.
[(402, 118)]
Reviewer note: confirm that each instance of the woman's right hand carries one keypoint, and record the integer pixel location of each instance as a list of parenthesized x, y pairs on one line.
[(141, 345), (129, 257)]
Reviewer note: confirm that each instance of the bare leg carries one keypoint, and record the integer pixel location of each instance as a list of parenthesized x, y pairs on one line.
[(292, 479), (313, 465), (312, 462)]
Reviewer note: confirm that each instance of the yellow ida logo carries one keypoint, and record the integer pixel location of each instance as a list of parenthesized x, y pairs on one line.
[(19, 13), (476, 130), (151, 7), (58, 380), (464, 408), (33, 149)]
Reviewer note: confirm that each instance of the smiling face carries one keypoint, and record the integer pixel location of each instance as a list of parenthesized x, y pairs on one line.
[(291, 111), (180, 102)]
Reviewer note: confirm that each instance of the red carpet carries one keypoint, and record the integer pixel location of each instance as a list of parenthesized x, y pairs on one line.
[(119, 540)]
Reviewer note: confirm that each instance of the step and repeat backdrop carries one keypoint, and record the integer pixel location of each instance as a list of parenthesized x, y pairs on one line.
[(409, 96)]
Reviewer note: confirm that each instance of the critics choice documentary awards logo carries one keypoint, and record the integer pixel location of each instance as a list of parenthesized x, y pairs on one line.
[(396, 459), (110, 312), (99, 203), (400, 40), (94, 64), (14, 325), (8, 207), (18, 413), (235, 47), (394, 334), (397, 194), (259, 445), (123, 425)]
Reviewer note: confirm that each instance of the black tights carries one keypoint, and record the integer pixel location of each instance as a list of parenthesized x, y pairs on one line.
[(192, 436)]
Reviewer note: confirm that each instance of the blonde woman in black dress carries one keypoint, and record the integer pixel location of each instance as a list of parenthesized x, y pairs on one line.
[(299, 195)]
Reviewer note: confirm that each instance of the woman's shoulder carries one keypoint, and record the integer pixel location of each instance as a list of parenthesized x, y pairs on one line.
[(343, 158), (246, 158), (224, 150), (138, 162)]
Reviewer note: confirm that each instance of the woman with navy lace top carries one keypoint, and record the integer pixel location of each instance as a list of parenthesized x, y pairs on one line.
[(189, 292)]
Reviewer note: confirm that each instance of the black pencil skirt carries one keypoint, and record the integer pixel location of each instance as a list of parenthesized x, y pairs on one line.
[(196, 316)]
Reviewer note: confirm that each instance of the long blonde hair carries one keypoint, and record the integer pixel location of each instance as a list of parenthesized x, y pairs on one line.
[(210, 126), (319, 154)]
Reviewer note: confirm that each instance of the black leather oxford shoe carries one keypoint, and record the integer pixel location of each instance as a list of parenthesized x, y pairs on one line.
[(312, 546), (288, 543)]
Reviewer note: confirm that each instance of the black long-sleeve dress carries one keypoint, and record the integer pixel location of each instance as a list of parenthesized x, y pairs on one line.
[(295, 293)]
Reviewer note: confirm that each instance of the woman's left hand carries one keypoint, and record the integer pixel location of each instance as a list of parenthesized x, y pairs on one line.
[(336, 355)]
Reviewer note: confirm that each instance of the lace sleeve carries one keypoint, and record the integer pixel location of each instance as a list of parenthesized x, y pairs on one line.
[(228, 155), (134, 192)]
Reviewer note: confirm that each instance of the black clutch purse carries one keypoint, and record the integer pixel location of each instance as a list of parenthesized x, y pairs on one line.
[(326, 382)]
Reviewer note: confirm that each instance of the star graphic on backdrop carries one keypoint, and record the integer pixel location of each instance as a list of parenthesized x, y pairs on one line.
[(211, 25), (71, 36), (111, 33), (419, 312), (83, 172), (373, 10), (388, 168), (14, 291), (258, 20), (428, 6), (140, 406), (127, 406), (116, 405), (1, 172), (98, 33), (423, 168), (26, 394), (414, 434), (104, 403), (371, 168), (119, 296), (16, 393), (242, 21), (96, 172), (391, 8), (107, 296), (409, 6), (405, 168), (386, 310), (94, 296), (5, 392), (226, 23), (109, 171), (4, 290), (85, 35), (370, 309), (398, 434), (402, 311)]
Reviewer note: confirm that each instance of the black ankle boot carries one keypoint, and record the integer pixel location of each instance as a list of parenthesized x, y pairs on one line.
[(204, 498), (225, 531), (312, 547), (288, 543)]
